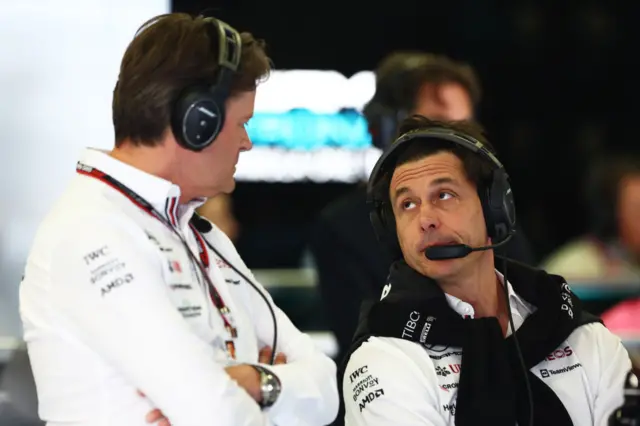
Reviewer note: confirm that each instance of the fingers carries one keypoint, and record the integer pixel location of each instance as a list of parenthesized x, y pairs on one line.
[(264, 357), (154, 416), (281, 359), (157, 416)]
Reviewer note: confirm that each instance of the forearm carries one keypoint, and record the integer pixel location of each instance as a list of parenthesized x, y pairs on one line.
[(309, 391), (136, 329)]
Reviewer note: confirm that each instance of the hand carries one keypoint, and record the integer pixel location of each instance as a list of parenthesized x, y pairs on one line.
[(245, 375), (155, 415), (264, 357), (247, 378)]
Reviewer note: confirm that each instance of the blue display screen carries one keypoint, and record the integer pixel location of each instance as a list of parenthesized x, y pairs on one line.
[(305, 130)]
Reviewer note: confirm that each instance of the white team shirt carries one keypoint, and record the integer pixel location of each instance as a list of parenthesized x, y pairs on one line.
[(392, 381), (112, 304)]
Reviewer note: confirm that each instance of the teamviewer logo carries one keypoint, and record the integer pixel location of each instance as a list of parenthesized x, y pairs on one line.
[(544, 373)]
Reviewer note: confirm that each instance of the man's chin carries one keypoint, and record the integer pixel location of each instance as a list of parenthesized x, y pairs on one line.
[(440, 269), (230, 186)]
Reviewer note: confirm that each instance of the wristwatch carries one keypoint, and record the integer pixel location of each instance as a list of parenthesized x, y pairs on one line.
[(269, 386)]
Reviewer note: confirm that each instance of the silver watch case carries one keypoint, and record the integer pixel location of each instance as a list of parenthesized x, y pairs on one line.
[(269, 386)]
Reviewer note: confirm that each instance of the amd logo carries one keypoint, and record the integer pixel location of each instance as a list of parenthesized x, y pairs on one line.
[(560, 353), (370, 397), (127, 278)]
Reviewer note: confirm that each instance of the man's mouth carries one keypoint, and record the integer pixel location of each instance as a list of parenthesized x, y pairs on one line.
[(439, 243)]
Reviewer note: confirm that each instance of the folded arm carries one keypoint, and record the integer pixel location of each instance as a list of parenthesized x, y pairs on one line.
[(309, 391), (107, 283)]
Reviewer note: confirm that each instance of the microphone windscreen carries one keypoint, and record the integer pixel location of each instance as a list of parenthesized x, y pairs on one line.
[(202, 225), (454, 251)]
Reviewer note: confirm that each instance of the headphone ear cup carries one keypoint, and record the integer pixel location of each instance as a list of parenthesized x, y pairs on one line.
[(385, 229), (383, 123), (500, 213), (197, 118), (378, 227), (484, 192)]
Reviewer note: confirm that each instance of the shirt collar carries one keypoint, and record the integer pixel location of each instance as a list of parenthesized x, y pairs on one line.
[(162, 194), (516, 302)]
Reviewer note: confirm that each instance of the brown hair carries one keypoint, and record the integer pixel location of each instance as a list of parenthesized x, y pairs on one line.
[(401, 75), (477, 168), (169, 53)]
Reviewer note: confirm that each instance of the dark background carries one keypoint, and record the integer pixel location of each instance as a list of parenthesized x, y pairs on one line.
[(560, 88)]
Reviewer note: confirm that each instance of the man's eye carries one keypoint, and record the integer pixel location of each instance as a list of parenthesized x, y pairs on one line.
[(443, 196), (407, 205)]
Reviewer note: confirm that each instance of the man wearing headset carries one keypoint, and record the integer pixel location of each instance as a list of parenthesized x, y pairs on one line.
[(129, 302), (351, 266), (437, 348)]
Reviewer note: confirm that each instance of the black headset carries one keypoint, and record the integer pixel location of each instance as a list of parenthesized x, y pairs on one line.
[(384, 111), (495, 195), (199, 112)]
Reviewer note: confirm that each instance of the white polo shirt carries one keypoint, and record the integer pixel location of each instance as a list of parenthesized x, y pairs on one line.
[(394, 381), (112, 303)]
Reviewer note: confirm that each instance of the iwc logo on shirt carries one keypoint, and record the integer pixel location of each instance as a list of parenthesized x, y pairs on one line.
[(365, 387)]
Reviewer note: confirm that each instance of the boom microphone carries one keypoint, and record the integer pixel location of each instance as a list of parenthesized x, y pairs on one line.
[(457, 251), (201, 224)]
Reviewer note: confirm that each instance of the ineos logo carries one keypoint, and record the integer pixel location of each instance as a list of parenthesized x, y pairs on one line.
[(560, 353)]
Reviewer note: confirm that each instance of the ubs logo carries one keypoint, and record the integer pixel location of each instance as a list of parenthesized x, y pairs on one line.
[(442, 371)]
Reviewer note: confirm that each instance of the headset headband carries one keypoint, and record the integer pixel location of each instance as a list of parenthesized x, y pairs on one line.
[(438, 133), (229, 49)]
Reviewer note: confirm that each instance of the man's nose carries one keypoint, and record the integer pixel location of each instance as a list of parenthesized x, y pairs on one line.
[(246, 143), (428, 217)]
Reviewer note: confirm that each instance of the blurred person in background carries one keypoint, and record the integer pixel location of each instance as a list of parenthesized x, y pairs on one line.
[(610, 252), (18, 396), (352, 265), (133, 307), (457, 338), (219, 210), (611, 249), (623, 319)]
